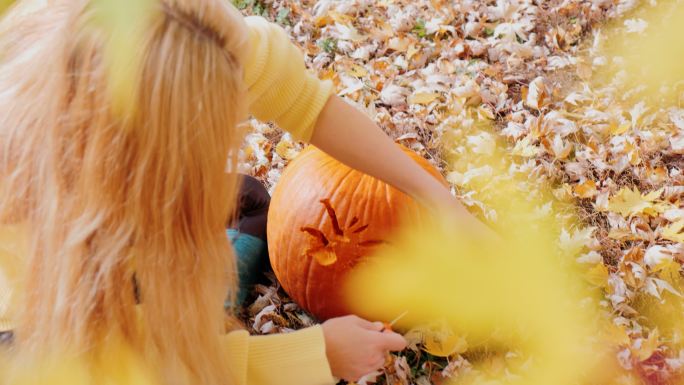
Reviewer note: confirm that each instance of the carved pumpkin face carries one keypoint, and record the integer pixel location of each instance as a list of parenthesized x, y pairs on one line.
[(324, 219)]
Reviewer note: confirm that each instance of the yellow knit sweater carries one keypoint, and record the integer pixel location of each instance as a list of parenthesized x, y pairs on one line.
[(280, 89)]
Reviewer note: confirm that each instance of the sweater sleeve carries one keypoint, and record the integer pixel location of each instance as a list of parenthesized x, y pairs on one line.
[(291, 358), (280, 88)]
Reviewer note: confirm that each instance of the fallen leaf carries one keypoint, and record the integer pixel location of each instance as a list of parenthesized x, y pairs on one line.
[(586, 189), (598, 275), (357, 70), (525, 148), (617, 335), (619, 129), (628, 202), (537, 94), (656, 255), (648, 346), (444, 345), (400, 44), (286, 149), (674, 232), (591, 257), (571, 244), (422, 97)]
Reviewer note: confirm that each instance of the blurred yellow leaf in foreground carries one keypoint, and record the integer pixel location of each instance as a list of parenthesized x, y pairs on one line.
[(123, 23), (516, 288), (114, 364), (521, 293)]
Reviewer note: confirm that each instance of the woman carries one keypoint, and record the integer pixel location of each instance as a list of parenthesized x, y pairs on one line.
[(105, 184)]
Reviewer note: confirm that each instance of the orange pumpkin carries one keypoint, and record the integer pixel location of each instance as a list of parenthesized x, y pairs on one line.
[(324, 219)]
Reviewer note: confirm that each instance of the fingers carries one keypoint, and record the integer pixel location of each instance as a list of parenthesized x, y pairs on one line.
[(388, 340), (368, 325), (391, 341), (357, 346)]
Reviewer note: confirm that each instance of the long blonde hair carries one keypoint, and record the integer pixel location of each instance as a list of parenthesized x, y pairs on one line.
[(110, 198)]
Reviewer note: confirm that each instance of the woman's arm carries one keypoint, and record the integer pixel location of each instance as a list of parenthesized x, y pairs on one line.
[(350, 136), (281, 90)]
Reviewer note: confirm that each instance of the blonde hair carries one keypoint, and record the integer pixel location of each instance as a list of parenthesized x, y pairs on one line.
[(110, 198)]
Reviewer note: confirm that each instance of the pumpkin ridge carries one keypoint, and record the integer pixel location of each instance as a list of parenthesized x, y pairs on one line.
[(313, 264), (291, 265)]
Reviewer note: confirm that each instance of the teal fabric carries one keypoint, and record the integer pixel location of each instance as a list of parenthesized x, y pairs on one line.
[(252, 258)]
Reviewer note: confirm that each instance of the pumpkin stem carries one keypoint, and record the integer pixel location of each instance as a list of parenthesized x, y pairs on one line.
[(333, 217)]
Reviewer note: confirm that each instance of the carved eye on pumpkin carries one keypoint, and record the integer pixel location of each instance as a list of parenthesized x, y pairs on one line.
[(313, 243), (322, 247)]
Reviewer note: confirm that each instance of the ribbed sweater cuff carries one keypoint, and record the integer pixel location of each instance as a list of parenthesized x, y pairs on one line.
[(301, 121), (299, 354)]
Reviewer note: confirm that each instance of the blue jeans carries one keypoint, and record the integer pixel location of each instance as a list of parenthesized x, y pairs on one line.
[(252, 260)]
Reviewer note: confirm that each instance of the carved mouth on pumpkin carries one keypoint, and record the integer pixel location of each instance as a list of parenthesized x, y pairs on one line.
[(323, 248)]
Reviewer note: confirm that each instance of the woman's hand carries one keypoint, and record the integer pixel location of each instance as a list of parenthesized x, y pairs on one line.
[(356, 347)]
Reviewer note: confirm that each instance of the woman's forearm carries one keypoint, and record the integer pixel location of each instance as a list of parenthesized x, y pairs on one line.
[(350, 136), (353, 138)]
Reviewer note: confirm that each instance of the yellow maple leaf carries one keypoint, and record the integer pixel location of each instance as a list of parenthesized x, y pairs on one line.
[(598, 275), (628, 202), (617, 335), (563, 193), (619, 129), (525, 148), (445, 346), (674, 232), (648, 346), (654, 195), (657, 208), (520, 293), (587, 189), (422, 97), (620, 233), (357, 71), (668, 270), (439, 339), (513, 293)]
